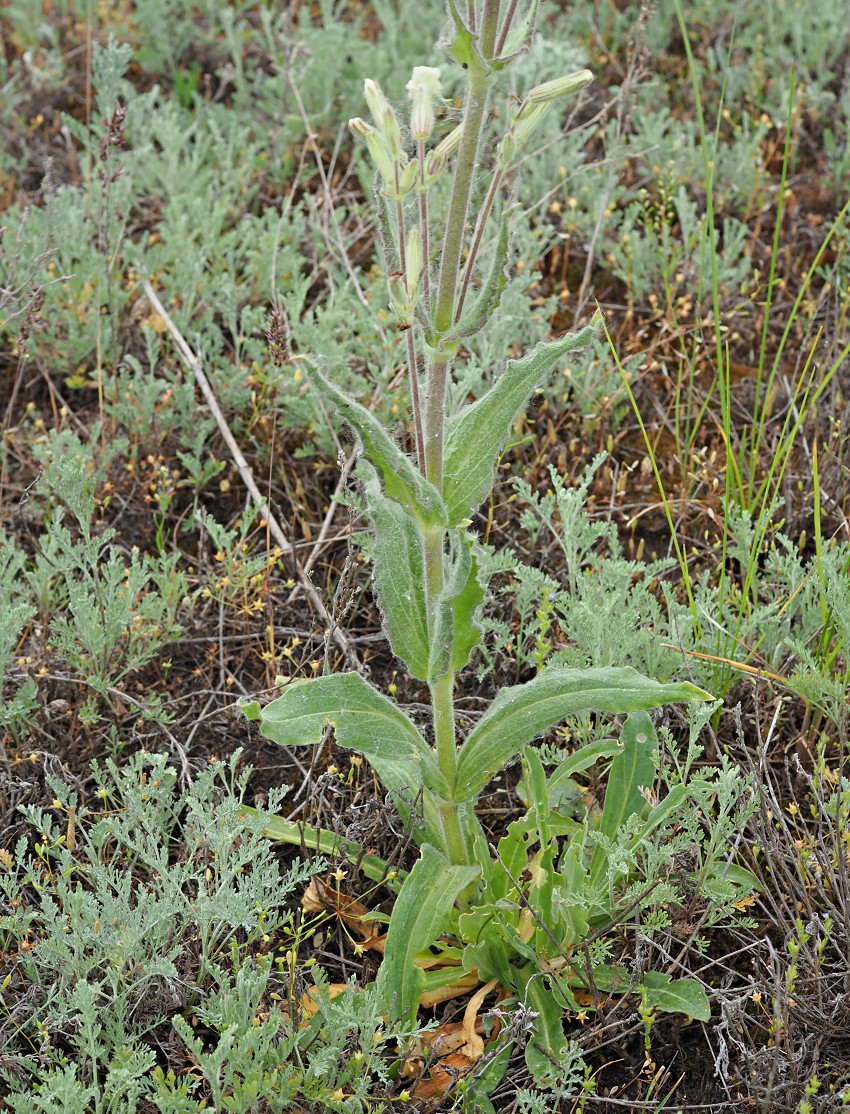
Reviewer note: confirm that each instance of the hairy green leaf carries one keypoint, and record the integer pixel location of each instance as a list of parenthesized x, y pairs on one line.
[(548, 1051), (363, 720), (522, 712), (420, 914), (476, 436), (399, 577), (632, 770), (402, 481), (685, 996), (457, 631)]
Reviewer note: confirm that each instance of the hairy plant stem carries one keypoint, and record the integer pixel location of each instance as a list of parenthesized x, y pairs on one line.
[(442, 690), (442, 705), (423, 227), (435, 401), (412, 369)]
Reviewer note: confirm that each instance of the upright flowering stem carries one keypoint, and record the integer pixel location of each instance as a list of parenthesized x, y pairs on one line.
[(435, 401), (412, 370), (442, 689), (423, 225)]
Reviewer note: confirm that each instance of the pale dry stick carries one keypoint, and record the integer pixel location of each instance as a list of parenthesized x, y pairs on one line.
[(194, 365)]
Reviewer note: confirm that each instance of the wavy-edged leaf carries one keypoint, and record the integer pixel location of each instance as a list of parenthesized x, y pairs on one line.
[(522, 712), (420, 914), (685, 996), (476, 436), (457, 631), (401, 479), (363, 719), (399, 577)]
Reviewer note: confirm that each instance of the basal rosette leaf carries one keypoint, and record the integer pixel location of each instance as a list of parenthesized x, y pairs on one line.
[(420, 915), (521, 713), (685, 996), (476, 436)]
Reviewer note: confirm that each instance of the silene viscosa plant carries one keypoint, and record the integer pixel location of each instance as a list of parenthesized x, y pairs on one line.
[(515, 917)]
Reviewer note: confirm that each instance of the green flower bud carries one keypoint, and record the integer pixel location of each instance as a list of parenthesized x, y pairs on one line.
[(423, 87), (383, 115), (560, 87), (437, 159), (516, 138), (413, 259), (399, 298), (381, 156)]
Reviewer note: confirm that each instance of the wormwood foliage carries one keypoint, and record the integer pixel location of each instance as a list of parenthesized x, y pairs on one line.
[(428, 577), (144, 916)]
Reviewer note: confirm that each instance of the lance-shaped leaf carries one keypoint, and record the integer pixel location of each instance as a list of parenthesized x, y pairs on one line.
[(548, 1049), (363, 720), (399, 576), (420, 914), (401, 479), (522, 712), (476, 436), (327, 843), (457, 632), (632, 771)]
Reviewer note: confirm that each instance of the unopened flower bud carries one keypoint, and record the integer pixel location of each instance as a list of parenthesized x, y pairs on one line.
[(516, 138), (423, 87), (383, 115), (413, 259), (376, 100), (560, 87), (441, 154), (399, 298), (377, 148)]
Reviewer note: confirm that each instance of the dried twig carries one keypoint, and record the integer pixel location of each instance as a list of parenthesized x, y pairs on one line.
[(194, 365)]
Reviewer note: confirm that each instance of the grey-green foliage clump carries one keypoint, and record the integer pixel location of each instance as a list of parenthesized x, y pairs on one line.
[(783, 612), (100, 612), (147, 917)]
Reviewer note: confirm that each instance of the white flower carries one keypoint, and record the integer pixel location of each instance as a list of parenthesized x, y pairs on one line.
[(423, 87)]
